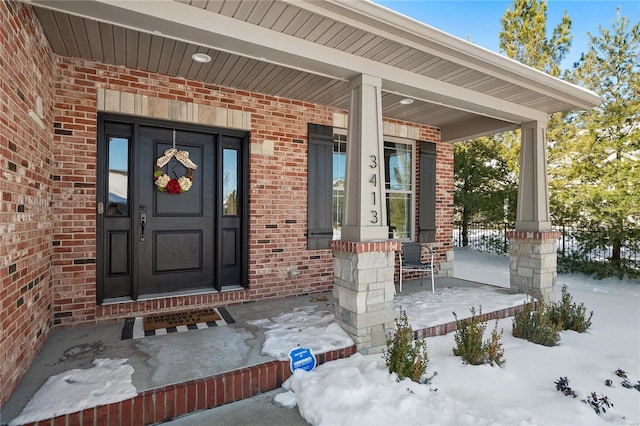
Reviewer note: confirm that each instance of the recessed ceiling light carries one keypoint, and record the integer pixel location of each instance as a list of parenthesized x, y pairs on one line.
[(406, 101), (201, 57)]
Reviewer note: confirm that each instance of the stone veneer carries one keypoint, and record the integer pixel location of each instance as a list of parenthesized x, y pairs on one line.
[(363, 289), (533, 265)]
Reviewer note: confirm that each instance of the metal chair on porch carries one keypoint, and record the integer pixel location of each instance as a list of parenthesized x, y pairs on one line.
[(411, 260)]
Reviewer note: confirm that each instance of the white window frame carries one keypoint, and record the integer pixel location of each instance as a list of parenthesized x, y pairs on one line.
[(412, 216)]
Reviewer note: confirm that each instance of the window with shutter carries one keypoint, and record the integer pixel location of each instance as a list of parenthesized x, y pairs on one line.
[(319, 186)]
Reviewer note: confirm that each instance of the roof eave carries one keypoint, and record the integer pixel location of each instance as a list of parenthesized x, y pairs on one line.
[(463, 51)]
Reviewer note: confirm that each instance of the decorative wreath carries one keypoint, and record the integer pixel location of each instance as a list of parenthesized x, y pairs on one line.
[(164, 182)]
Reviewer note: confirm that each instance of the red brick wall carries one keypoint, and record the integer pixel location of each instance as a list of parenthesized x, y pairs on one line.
[(26, 71), (277, 190), (444, 200)]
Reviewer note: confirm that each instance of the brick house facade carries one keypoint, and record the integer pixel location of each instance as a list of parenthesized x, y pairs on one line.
[(48, 237), (71, 72)]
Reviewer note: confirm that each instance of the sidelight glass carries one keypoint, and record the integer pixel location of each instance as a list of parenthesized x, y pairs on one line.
[(230, 182), (118, 182)]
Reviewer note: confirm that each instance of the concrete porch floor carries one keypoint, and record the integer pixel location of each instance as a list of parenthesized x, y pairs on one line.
[(179, 358)]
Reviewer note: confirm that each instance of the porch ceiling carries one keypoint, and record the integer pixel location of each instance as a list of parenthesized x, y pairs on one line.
[(309, 50)]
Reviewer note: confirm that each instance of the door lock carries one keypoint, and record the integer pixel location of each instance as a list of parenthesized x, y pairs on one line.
[(143, 222)]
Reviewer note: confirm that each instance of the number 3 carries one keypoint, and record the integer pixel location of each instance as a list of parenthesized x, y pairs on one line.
[(375, 216), (374, 161)]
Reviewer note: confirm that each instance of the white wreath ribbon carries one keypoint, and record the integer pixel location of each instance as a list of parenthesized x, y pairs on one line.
[(181, 156)]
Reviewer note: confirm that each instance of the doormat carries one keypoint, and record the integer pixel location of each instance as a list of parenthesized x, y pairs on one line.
[(174, 322)]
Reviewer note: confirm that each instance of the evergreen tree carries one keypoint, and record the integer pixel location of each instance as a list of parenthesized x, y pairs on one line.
[(486, 171), (524, 36), (600, 175), (482, 183)]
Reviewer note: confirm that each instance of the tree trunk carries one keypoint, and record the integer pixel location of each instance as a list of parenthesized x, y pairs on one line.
[(465, 228), (616, 252)]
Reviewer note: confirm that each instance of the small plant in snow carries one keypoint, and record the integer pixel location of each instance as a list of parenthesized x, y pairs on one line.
[(536, 325), (627, 384), (598, 403), (469, 343), (404, 356), (562, 385), (568, 315)]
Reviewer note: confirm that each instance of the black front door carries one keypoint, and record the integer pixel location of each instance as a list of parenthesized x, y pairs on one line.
[(175, 240), (153, 242)]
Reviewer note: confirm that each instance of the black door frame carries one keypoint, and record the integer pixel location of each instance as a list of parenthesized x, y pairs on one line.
[(101, 195)]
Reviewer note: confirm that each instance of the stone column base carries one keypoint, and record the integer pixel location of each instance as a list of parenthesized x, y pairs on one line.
[(363, 290), (533, 265), (446, 267)]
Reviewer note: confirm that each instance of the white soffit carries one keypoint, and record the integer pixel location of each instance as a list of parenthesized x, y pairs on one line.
[(309, 50)]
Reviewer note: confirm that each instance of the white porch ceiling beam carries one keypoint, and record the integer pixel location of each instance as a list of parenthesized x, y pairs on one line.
[(194, 25), (474, 128)]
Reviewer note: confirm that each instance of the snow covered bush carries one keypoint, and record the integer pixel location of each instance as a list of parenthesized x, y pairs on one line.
[(469, 343), (404, 356)]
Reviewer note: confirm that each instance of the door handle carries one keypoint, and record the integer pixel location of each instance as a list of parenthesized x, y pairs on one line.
[(143, 222)]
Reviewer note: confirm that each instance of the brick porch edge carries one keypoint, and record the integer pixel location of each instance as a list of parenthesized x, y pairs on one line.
[(168, 402)]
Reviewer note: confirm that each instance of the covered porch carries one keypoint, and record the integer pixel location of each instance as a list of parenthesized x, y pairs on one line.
[(227, 364)]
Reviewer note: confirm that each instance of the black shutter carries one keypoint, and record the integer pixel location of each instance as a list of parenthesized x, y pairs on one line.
[(427, 218), (319, 186)]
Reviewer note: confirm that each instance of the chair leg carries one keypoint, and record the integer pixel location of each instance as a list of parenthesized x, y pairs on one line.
[(433, 286), (394, 287)]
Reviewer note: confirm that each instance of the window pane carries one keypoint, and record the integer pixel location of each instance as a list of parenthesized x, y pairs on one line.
[(118, 185), (398, 166), (339, 165), (398, 162), (399, 215), (230, 182)]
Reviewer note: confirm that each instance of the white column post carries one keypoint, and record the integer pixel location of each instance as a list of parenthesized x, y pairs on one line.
[(532, 246), (365, 212), (533, 193)]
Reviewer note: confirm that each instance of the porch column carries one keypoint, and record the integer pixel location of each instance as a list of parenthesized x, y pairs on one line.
[(532, 246), (365, 219), (363, 290), (364, 261)]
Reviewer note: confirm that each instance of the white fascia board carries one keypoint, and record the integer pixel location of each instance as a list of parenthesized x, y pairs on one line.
[(377, 19), (193, 25)]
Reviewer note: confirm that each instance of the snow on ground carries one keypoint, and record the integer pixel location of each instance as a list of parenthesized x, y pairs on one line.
[(108, 381), (359, 390), (304, 327)]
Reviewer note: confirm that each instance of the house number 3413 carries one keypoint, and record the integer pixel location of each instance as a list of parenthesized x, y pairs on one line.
[(373, 180)]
